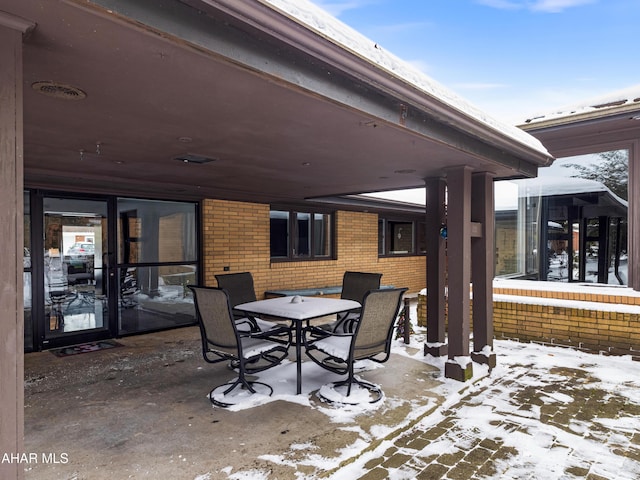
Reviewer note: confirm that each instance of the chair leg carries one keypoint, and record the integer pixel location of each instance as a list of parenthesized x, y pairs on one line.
[(375, 390), (241, 382)]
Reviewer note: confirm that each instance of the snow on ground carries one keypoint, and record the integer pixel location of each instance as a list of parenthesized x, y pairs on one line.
[(508, 405)]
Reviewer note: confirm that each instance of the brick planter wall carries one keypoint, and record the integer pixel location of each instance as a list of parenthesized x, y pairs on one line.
[(595, 318)]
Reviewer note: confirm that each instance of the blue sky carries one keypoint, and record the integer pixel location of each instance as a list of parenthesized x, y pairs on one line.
[(511, 58)]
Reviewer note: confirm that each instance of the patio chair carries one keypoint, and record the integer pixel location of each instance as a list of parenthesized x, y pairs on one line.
[(222, 341), (355, 286), (370, 339), (241, 290)]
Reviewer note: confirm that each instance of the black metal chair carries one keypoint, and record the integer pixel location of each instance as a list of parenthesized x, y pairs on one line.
[(222, 341), (240, 287), (241, 290), (370, 339), (355, 286)]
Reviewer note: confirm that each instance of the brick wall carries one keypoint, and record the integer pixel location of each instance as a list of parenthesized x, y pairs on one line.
[(236, 235), (594, 318), (506, 251), (585, 325)]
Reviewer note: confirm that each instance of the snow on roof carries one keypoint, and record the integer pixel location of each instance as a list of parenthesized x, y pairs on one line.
[(314, 18), (554, 186), (620, 98)]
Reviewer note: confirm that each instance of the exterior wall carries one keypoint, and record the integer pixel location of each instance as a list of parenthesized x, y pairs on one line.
[(578, 317), (236, 235), (506, 252), (586, 328)]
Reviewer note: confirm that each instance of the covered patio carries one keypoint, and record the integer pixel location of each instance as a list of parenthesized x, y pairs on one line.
[(142, 411), (260, 101)]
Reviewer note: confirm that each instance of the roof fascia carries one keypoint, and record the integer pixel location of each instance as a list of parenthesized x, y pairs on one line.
[(593, 116)]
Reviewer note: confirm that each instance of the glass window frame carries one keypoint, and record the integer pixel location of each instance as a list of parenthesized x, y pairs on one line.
[(386, 229), (308, 220)]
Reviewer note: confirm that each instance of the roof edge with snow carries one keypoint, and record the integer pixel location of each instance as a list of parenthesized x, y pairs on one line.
[(332, 41)]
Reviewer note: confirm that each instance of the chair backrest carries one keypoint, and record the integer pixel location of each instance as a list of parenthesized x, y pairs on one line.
[(356, 284), (240, 287), (215, 319), (374, 331)]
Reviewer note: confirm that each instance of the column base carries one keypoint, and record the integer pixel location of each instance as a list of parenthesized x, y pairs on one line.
[(484, 359), (436, 349), (453, 369)]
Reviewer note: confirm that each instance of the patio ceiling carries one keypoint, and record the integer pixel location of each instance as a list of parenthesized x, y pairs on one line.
[(284, 113)]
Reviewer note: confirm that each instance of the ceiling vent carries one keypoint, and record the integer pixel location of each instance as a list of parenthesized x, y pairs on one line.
[(59, 90), (193, 158)]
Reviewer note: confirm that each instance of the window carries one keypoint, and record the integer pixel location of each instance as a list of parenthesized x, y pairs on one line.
[(301, 235), (157, 261), (401, 236), (567, 225)]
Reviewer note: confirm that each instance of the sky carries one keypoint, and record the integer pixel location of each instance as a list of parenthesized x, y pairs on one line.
[(513, 59)]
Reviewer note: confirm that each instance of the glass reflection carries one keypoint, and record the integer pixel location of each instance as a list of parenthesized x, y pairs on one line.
[(153, 298)]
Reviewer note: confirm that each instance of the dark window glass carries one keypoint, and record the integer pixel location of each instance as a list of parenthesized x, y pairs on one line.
[(322, 235), (401, 237), (279, 234), (302, 247), (301, 235)]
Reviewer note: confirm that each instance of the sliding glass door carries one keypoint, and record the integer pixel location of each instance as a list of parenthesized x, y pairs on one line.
[(105, 267)]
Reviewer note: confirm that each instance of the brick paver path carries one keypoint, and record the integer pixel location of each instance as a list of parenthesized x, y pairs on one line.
[(529, 422)]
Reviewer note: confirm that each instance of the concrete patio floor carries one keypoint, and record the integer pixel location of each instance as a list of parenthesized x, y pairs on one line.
[(141, 411)]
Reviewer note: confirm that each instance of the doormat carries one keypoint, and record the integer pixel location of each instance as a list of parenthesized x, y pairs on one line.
[(85, 348)]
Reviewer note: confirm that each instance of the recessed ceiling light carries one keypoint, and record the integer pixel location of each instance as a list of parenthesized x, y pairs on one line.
[(405, 170), (185, 139)]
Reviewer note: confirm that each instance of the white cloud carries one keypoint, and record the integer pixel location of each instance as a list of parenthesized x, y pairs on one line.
[(501, 4), (546, 6), (555, 6)]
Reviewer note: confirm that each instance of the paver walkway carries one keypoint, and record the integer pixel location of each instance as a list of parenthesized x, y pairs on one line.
[(529, 422)]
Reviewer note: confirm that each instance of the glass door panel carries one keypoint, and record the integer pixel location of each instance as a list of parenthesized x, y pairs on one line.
[(157, 260), (75, 280)]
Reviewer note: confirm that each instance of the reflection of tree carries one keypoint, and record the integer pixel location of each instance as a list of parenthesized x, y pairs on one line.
[(612, 170)]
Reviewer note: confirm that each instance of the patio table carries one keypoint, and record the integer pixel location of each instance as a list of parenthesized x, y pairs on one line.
[(298, 310)]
